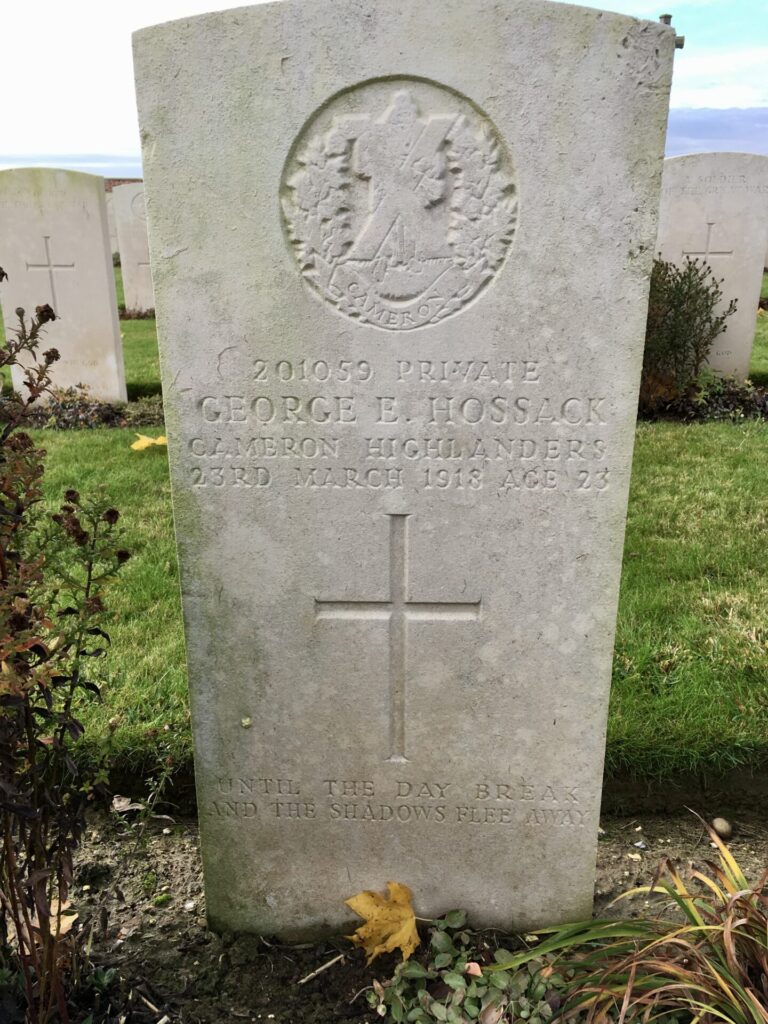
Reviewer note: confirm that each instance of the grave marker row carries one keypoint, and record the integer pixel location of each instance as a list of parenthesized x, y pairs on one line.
[(54, 246), (714, 207)]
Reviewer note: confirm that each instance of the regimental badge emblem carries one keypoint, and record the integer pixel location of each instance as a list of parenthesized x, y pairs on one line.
[(400, 203)]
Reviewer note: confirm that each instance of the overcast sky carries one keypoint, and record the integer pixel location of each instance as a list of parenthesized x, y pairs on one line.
[(66, 76)]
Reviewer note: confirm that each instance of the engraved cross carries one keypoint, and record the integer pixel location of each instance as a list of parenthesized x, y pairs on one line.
[(398, 612), (708, 251), (50, 266)]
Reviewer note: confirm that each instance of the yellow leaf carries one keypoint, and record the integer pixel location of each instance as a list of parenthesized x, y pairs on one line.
[(389, 921), (147, 442)]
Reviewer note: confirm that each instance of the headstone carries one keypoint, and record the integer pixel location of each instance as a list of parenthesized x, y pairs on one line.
[(114, 245), (401, 257), (54, 245), (714, 207), (131, 218)]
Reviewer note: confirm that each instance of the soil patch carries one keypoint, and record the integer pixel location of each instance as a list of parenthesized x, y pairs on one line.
[(148, 908)]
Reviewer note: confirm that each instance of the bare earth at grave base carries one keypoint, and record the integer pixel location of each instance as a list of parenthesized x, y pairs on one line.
[(158, 941)]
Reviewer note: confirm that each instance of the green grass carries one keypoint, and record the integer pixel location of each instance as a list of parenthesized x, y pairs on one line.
[(691, 664), (758, 369), (690, 686), (142, 366), (691, 660), (145, 666), (119, 287)]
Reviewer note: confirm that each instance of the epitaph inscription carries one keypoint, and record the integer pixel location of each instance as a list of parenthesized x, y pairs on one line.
[(400, 202)]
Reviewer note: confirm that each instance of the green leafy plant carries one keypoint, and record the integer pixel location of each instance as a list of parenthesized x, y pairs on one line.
[(683, 322), (725, 398), (73, 409), (450, 982), (53, 573)]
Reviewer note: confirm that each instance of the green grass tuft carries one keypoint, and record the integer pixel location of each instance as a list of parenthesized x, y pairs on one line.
[(146, 668), (691, 659)]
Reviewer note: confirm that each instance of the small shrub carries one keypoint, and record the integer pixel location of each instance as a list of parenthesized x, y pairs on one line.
[(53, 573), (116, 259), (681, 327), (135, 314), (73, 409), (723, 398)]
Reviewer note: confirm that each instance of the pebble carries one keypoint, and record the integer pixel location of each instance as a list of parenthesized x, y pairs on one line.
[(723, 827), (167, 832), (189, 906)]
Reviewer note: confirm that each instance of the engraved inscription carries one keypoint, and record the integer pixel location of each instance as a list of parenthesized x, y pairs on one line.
[(413, 425), (399, 801), (400, 203)]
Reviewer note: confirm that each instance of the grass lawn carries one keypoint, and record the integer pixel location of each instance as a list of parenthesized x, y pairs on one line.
[(758, 369), (690, 681), (691, 659), (119, 287), (145, 667), (691, 664), (142, 367)]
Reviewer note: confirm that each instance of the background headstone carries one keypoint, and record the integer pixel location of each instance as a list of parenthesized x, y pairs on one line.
[(54, 245), (401, 307), (131, 218), (714, 207), (114, 245)]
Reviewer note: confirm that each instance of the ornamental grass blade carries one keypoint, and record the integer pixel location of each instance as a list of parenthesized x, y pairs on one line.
[(390, 922)]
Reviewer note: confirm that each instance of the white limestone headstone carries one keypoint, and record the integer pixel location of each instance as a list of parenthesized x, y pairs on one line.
[(401, 256), (131, 218), (54, 245), (714, 207)]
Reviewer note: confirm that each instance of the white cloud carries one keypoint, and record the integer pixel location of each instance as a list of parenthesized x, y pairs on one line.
[(729, 78), (66, 74)]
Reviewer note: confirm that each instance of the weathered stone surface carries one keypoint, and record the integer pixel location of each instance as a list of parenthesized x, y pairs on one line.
[(401, 257), (114, 245), (714, 207), (131, 220), (54, 244)]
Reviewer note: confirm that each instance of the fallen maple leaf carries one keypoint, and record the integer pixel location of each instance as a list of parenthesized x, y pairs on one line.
[(147, 442), (389, 921)]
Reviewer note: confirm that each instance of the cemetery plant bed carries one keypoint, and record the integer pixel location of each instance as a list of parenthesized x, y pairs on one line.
[(157, 941)]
